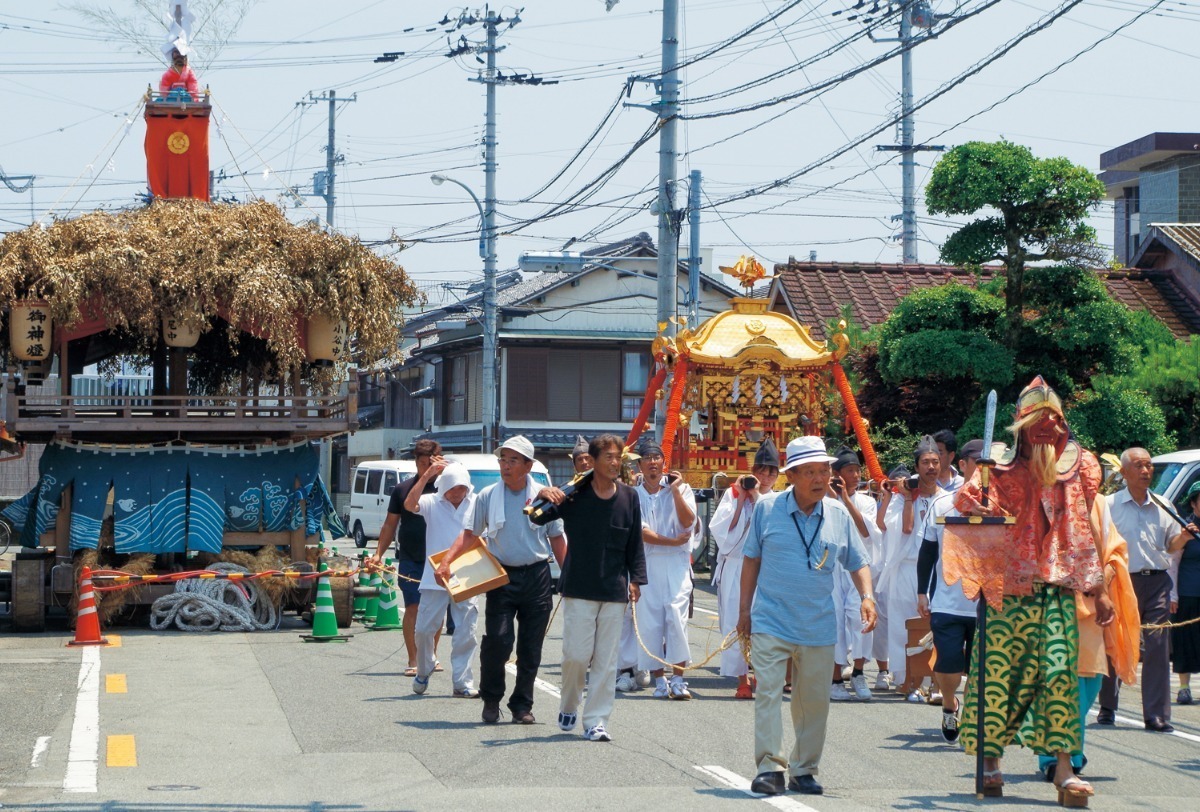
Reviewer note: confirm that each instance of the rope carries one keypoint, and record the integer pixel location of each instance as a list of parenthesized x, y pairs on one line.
[(215, 605), (120, 579), (730, 640), (1175, 625)]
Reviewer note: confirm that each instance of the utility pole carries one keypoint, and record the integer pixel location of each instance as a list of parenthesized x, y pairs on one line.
[(490, 77), (669, 220), (323, 183), (914, 13), (27, 186), (694, 252)]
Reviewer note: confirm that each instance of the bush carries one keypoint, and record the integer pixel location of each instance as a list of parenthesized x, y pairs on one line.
[(1115, 416), (1170, 374), (894, 443)]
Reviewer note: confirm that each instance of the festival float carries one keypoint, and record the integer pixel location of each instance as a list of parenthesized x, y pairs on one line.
[(246, 323), (743, 376)]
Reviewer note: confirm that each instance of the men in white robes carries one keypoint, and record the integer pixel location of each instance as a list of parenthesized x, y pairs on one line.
[(729, 526), (444, 513), (669, 532), (907, 518), (853, 645)]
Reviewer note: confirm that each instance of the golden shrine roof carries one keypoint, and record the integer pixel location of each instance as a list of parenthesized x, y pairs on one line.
[(748, 331)]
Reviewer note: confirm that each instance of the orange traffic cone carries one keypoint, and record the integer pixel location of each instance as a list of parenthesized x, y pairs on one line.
[(87, 622)]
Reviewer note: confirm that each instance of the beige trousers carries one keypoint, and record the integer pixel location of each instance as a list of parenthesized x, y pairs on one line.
[(591, 635), (811, 667)]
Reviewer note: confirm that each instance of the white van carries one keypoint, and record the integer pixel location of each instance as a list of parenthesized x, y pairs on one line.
[(373, 483)]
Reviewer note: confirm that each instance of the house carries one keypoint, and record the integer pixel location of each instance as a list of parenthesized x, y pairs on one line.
[(1155, 179), (814, 293), (1172, 251), (574, 359)]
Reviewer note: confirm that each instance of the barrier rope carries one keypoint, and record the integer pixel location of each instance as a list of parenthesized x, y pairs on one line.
[(1170, 625), (123, 580)]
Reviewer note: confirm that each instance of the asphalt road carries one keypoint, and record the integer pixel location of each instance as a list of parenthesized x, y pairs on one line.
[(265, 722)]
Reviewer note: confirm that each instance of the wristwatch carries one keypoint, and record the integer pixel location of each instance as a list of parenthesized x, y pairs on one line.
[(868, 597)]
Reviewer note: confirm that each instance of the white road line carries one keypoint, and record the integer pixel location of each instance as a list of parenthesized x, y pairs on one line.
[(84, 753), (39, 751), (1125, 720), (706, 611), (538, 682), (732, 779)]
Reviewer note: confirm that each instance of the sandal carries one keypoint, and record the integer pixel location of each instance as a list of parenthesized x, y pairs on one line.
[(1074, 792), (411, 671), (437, 666), (993, 783), (787, 687)]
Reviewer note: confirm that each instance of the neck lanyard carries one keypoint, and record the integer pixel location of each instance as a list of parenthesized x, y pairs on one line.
[(809, 543)]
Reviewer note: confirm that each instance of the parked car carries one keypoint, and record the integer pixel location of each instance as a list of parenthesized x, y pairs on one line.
[(373, 482), (1174, 474)]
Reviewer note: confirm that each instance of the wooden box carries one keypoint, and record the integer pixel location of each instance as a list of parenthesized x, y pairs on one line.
[(919, 660), (474, 572)]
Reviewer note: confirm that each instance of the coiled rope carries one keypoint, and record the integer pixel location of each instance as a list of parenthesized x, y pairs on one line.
[(207, 605)]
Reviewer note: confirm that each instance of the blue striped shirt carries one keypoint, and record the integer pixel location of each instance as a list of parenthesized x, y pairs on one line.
[(793, 601)]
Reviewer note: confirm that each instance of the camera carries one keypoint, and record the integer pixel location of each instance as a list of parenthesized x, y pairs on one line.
[(912, 482), (837, 485), (748, 483), (672, 477)]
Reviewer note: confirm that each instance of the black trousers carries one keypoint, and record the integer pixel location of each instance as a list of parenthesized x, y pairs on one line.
[(520, 612)]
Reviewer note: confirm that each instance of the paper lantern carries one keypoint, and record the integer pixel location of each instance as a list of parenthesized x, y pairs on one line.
[(327, 340), (30, 331), (178, 334)]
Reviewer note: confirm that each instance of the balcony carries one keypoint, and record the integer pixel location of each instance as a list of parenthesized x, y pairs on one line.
[(40, 417)]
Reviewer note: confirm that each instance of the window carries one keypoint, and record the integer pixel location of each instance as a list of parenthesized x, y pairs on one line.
[(406, 411), (462, 381), (563, 384), (360, 481), (390, 481), (373, 480), (635, 374)]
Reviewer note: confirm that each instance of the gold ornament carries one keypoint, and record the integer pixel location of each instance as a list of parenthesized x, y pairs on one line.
[(178, 142)]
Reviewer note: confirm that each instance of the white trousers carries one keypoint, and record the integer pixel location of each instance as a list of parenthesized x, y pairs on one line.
[(902, 605), (591, 634), (627, 656), (430, 619), (847, 607), (662, 611), (729, 596)]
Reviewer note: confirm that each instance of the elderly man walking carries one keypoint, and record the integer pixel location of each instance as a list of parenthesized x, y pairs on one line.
[(1153, 539), (795, 539)]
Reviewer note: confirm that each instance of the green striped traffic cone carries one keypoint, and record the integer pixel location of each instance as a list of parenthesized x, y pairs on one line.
[(360, 603), (372, 610), (324, 620), (388, 619)]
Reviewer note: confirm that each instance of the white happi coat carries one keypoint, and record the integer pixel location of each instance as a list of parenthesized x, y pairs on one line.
[(852, 643), (898, 581), (662, 609), (731, 544)]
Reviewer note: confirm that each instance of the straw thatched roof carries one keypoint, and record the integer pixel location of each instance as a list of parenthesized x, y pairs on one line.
[(244, 265)]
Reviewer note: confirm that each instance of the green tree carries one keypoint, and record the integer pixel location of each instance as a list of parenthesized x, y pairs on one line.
[(1039, 204), (1116, 415), (1170, 374)]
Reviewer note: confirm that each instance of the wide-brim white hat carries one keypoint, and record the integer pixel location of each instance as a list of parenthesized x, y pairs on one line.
[(804, 450)]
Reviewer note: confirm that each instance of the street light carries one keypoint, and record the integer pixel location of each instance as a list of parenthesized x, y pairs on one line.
[(487, 251)]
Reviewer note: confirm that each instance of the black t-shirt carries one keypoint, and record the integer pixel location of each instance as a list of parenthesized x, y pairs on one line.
[(604, 544), (412, 526)]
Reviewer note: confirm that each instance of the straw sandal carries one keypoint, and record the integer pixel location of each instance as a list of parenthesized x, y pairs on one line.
[(993, 783)]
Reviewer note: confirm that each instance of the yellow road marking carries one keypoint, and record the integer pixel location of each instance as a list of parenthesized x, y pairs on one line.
[(114, 640), (121, 752), (115, 684)]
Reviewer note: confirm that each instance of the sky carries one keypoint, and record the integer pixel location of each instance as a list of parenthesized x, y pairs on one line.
[(780, 175)]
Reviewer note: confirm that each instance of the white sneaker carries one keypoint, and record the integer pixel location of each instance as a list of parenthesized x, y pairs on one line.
[(660, 688), (642, 678), (420, 685), (626, 683), (883, 682), (679, 688), (566, 721), (859, 686), (838, 692), (597, 734)]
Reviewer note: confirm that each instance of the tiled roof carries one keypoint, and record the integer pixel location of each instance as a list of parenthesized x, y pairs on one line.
[(816, 291), (1184, 236)]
